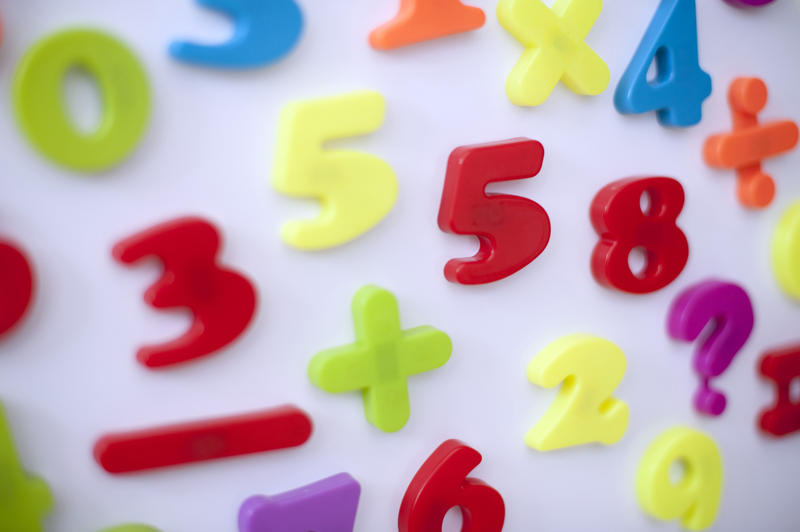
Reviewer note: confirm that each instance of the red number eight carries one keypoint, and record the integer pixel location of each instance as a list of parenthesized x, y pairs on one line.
[(512, 230), (618, 218)]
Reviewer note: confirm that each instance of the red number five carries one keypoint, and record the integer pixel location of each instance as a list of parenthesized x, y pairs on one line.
[(512, 230), (618, 218), (222, 301), (440, 484), (16, 285)]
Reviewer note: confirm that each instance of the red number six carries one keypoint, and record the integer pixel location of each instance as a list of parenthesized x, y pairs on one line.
[(222, 300), (512, 230), (618, 218), (441, 483)]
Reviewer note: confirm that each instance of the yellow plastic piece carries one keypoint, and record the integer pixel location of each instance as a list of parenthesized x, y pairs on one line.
[(583, 412), (786, 251), (695, 498), (356, 189), (554, 48)]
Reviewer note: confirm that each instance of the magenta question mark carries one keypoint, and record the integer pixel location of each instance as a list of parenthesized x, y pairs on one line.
[(729, 306), (749, 3)]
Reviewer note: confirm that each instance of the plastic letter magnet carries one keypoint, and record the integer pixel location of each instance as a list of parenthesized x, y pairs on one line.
[(750, 143), (328, 505), (381, 359), (782, 366)]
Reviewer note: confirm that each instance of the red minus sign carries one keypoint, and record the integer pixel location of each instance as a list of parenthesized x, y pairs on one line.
[(265, 430)]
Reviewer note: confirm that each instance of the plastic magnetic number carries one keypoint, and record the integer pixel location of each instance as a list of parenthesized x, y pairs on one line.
[(442, 483), (131, 528), (554, 48), (221, 300), (728, 306), (681, 86), (16, 285), (381, 359), (590, 368), (40, 108), (328, 505), (24, 500), (357, 190), (264, 32), (618, 218), (749, 3), (782, 366), (786, 251), (424, 20), (256, 432), (696, 497), (512, 230)]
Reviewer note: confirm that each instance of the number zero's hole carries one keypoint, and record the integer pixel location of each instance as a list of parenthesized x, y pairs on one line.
[(678, 470), (794, 390), (453, 520), (83, 100), (637, 261)]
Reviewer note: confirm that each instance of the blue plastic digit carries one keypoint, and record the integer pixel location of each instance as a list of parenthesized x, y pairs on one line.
[(681, 86), (264, 31)]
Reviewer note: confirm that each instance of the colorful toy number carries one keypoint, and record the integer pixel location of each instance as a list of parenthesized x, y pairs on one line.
[(264, 32), (328, 505), (696, 497), (442, 483), (749, 3), (221, 300), (681, 86), (381, 359), (198, 441), (24, 500), (781, 366), (16, 285), (554, 48), (40, 107), (131, 528), (786, 251), (618, 218), (729, 307), (356, 189), (591, 368), (424, 20), (512, 230)]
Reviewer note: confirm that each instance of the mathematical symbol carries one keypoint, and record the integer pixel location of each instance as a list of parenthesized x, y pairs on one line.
[(381, 359), (750, 142), (554, 48)]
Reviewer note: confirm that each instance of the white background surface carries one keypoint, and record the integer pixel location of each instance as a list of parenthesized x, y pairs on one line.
[(68, 374)]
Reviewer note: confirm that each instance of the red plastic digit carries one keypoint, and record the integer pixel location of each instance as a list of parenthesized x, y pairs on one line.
[(441, 483), (16, 286), (222, 300), (781, 366), (512, 230), (618, 218)]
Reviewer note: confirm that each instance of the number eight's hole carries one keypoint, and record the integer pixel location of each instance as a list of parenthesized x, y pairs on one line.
[(83, 100), (637, 261), (678, 470), (453, 520), (794, 390), (646, 203)]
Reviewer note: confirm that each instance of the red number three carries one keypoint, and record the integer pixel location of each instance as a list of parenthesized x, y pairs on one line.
[(441, 483), (618, 218), (512, 230)]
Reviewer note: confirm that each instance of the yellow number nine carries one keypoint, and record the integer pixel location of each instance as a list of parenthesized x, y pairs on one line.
[(695, 498), (786, 251), (583, 411), (356, 189)]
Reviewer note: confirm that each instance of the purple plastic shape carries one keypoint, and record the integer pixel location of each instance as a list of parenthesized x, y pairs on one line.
[(749, 3), (729, 306), (328, 505)]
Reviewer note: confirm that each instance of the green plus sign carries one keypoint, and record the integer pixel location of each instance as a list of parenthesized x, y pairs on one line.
[(381, 359), (24, 500)]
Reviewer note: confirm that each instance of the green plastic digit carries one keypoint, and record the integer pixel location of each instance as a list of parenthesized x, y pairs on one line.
[(39, 103), (131, 528), (24, 500)]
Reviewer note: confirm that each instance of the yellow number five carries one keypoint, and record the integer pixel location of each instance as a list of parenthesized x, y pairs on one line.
[(786, 251), (695, 497), (356, 189), (583, 411)]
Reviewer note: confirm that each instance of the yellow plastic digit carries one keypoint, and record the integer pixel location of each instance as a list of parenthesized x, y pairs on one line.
[(356, 189), (695, 498), (786, 251), (583, 412)]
